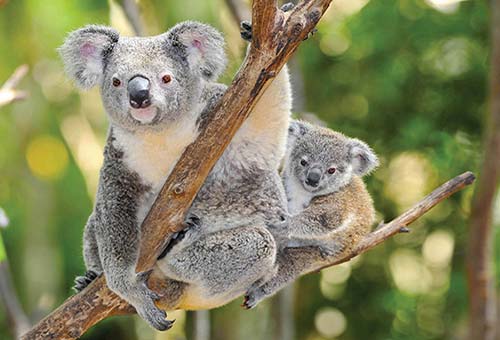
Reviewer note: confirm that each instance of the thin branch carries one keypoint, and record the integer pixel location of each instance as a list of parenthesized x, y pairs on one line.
[(18, 321), (8, 92), (399, 224)]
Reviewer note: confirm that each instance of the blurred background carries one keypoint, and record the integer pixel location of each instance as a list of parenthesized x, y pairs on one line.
[(410, 77)]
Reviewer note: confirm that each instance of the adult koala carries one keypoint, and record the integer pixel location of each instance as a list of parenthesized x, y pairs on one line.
[(157, 91)]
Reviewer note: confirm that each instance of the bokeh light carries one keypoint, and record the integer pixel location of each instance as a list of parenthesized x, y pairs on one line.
[(47, 157)]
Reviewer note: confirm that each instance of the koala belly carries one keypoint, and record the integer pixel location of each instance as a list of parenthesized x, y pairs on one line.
[(220, 266)]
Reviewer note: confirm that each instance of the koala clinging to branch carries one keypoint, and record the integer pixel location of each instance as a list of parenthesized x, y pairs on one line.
[(330, 206), (156, 92)]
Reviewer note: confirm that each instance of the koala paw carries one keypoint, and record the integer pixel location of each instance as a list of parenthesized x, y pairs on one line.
[(287, 7), (252, 298), (144, 303), (246, 30), (327, 252), (81, 282)]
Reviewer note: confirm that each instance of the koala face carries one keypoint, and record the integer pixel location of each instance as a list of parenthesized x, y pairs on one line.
[(146, 82), (324, 161)]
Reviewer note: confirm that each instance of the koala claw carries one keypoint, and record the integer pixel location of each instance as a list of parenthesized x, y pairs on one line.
[(252, 298), (156, 317), (146, 307), (81, 282), (287, 7), (246, 30)]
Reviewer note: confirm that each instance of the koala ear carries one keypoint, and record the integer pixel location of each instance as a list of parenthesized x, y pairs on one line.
[(84, 54), (202, 45), (297, 128), (363, 159)]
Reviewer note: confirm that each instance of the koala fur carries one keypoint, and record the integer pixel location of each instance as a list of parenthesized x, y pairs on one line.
[(331, 214), (241, 196)]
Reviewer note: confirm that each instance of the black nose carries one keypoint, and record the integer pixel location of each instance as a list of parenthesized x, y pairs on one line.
[(138, 92), (313, 177)]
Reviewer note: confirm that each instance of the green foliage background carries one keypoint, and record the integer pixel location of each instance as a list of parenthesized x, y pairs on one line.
[(406, 77)]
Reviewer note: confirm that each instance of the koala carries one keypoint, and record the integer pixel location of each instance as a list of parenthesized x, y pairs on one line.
[(157, 92), (330, 208)]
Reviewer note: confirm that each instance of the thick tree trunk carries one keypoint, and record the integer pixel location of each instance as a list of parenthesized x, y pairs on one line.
[(480, 266)]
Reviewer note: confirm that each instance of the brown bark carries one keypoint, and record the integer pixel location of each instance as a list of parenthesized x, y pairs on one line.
[(480, 267)]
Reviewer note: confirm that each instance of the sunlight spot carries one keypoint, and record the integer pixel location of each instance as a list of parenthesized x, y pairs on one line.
[(47, 157), (438, 248), (445, 6), (330, 322), (409, 175), (336, 274), (408, 272)]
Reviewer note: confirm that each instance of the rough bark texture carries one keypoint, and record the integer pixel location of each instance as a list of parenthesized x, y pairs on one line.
[(480, 266)]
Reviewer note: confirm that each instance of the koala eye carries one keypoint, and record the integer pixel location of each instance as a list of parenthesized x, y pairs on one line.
[(116, 82), (331, 171), (303, 162), (167, 78)]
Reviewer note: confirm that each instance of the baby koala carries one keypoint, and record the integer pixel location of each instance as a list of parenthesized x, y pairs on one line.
[(330, 208)]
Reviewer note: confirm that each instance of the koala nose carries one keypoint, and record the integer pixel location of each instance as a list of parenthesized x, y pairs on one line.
[(313, 177), (138, 92)]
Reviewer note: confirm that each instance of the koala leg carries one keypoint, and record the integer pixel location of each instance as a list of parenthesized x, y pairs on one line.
[(220, 266), (291, 264), (91, 257)]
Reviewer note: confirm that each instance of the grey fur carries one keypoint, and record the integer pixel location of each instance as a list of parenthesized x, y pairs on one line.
[(328, 220), (215, 261)]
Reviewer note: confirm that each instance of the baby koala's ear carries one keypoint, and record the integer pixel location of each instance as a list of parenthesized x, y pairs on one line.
[(362, 157), (203, 46), (297, 128), (84, 54)]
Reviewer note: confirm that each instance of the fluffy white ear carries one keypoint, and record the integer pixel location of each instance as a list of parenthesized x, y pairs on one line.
[(84, 54), (363, 159), (202, 45), (297, 128)]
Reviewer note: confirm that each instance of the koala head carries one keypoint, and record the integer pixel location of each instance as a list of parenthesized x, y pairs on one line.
[(145, 81), (323, 161)]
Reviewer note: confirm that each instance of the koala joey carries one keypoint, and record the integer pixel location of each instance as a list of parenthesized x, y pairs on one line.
[(330, 206), (157, 91)]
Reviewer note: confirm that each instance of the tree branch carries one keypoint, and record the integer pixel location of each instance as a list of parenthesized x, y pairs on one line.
[(8, 92), (263, 62)]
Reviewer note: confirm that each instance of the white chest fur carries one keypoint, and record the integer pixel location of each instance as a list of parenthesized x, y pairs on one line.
[(153, 154)]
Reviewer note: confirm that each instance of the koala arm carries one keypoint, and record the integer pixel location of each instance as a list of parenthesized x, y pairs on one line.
[(317, 220), (117, 233)]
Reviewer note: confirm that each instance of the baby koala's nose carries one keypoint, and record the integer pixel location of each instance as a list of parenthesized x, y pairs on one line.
[(138, 92), (313, 177)]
